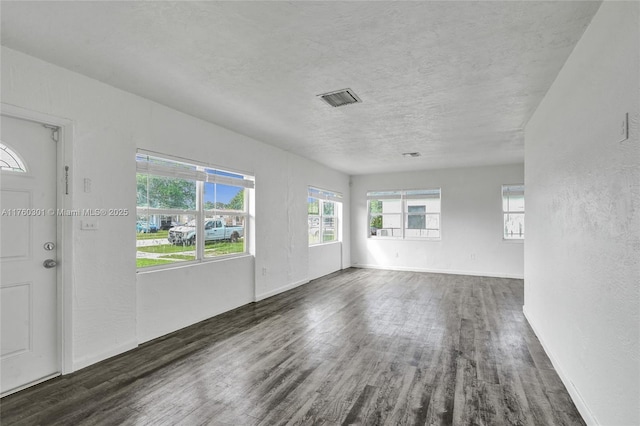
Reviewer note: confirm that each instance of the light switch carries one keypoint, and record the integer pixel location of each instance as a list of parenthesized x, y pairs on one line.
[(87, 185), (89, 224)]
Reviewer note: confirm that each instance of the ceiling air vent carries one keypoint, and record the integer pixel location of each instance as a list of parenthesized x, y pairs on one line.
[(340, 98)]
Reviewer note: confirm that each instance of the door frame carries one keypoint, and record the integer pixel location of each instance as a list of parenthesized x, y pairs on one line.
[(64, 226)]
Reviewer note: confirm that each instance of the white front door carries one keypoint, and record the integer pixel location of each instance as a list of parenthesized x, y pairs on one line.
[(28, 288)]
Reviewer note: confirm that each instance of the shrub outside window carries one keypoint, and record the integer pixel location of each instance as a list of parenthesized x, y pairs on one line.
[(404, 214), (323, 211), (188, 212), (513, 211)]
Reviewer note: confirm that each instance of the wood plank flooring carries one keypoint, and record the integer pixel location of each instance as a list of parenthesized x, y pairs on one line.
[(360, 346)]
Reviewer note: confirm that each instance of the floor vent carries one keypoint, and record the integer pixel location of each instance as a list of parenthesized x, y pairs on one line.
[(340, 98)]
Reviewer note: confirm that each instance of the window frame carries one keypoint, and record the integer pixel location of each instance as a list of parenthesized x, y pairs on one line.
[(201, 173), (325, 196), (507, 212), (403, 196)]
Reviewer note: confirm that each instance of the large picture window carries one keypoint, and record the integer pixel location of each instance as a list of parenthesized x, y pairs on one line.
[(324, 210), (404, 214), (188, 212), (513, 211)]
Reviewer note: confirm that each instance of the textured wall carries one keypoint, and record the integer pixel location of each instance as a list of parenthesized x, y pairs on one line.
[(112, 309), (471, 224), (582, 270)]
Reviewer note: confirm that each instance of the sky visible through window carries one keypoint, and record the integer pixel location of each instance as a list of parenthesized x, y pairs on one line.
[(223, 193)]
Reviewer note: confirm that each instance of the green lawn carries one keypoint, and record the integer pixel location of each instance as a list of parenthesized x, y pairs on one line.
[(166, 248), (143, 263), (152, 235), (219, 248), (177, 253)]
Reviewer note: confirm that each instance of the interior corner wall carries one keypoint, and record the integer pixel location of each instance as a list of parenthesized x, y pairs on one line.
[(114, 308), (582, 254), (471, 224)]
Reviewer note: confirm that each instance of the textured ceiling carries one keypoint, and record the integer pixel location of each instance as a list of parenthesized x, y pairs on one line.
[(456, 81)]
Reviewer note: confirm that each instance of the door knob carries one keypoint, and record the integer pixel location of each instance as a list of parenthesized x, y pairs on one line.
[(49, 263)]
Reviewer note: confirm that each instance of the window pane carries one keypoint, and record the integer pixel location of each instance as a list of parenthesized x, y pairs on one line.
[(329, 229), (513, 198), (165, 192), (314, 206), (513, 203), (153, 245), (231, 196), (416, 221), (514, 226), (322, 217), (224, 235), (386, 225), (10, 160), (375, 206), (432, 221), (391, 206), (385, 206), (328, 208), (423, 225), (375, 224), (142, 187), (392, 221), (314, 229), (223, 197), (430, 205)]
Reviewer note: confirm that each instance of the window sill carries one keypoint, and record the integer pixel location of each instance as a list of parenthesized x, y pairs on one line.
[(328, 243), (404, 239)]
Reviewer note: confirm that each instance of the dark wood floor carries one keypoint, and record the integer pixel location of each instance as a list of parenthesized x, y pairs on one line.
[(356, 347)]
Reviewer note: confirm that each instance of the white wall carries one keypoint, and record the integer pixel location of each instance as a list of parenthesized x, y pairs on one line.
[(471, 224), (113, 308), (324, 259), (582, 270)]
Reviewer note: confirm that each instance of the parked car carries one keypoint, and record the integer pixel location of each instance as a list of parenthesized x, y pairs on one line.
[(167, 223), (144, 226), (214, 230)]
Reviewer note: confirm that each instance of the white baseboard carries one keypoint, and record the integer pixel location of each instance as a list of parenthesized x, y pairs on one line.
[(582, 407), (92, 359), (440, 271), (279, 290)]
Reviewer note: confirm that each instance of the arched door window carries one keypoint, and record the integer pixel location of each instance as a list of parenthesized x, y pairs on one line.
[(10, 160)]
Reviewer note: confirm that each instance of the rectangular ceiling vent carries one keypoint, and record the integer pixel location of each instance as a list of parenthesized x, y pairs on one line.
[(340, 98)]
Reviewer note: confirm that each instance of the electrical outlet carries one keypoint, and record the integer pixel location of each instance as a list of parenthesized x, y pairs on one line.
[(264, 271), (473, 256)]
